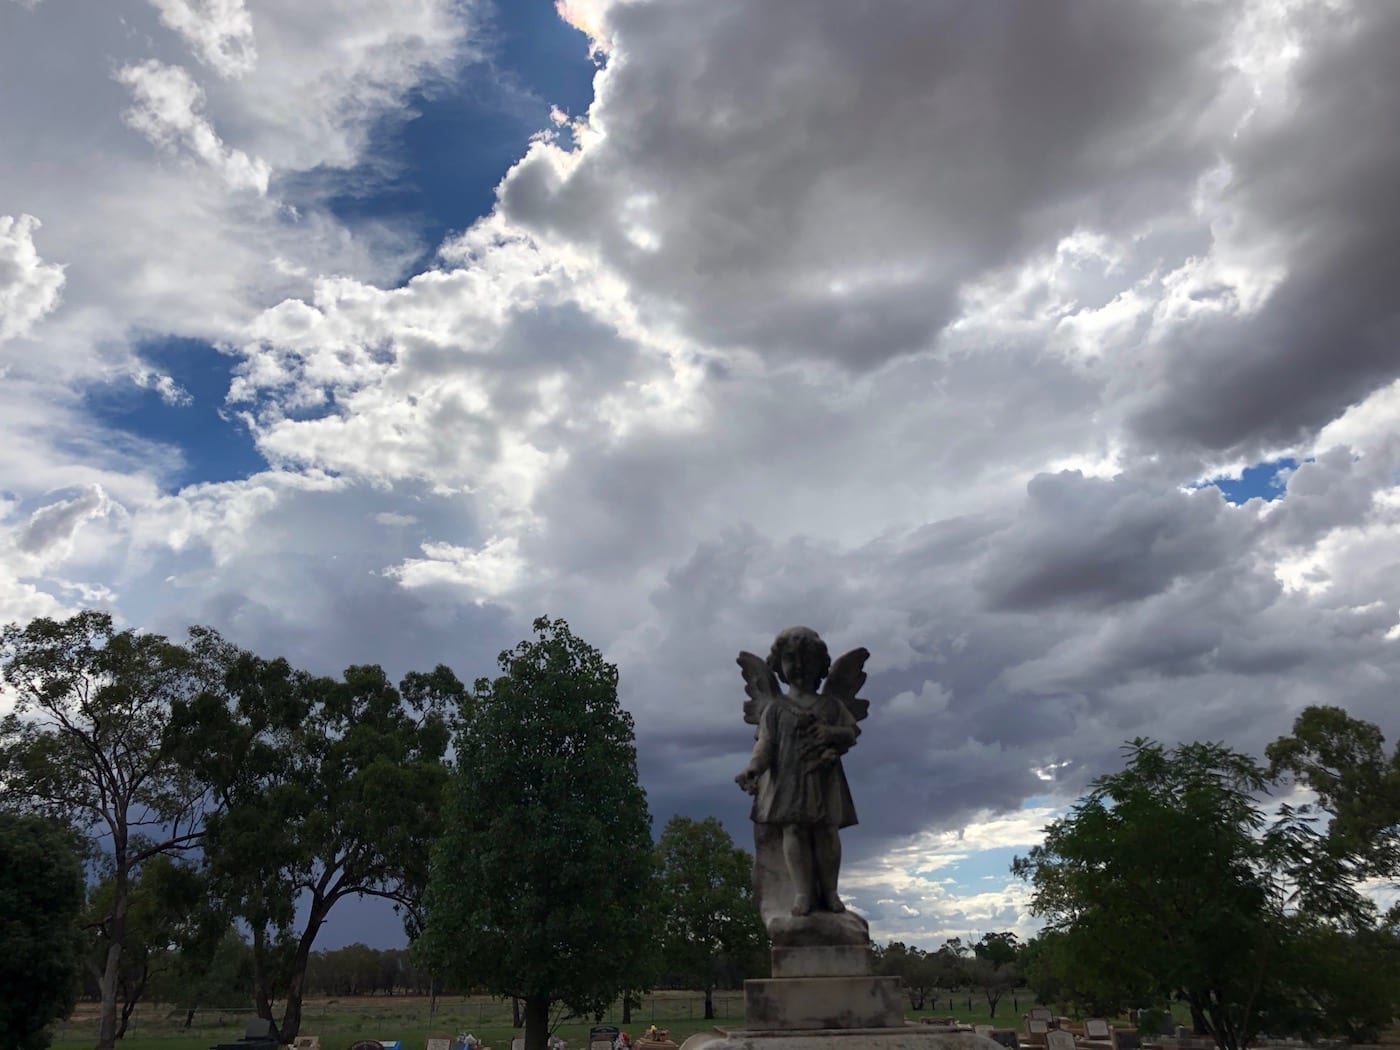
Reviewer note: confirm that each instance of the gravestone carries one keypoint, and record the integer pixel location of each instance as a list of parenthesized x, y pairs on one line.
[(1126, 1039), (1058, 1039), (257, 1036), (1097, 1028), (438, 1041), (1040, 1013)]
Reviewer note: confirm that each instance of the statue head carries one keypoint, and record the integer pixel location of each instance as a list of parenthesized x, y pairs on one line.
[(799, 658)]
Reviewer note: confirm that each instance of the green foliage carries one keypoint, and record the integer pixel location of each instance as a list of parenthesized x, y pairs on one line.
[(169, 917), (1168, 881), (84, 744), (922, 971), (541, 882), (994, 968), (1343, 761), (1164, 874), (204, 975), (41, 896), (328, 788), (710, 921)]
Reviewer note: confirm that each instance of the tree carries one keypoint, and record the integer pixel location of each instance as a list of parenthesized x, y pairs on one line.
[(1343, 761), (84, 744), (203, 975), (41, 897), (919, 970), (1164, 872), (541, 880), (327, 788), (709, 916), (169, 917), (994, 968)]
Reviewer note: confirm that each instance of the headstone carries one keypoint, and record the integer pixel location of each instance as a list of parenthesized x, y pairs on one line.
[(1126, 1039), (1040, 1013), (1038, 1025), (1097, 1028), (1057, 1039), (259, 1028), (438, 1041), (518, 1043)]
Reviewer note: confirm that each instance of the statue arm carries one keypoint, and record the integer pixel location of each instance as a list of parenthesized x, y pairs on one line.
[(761, 760)]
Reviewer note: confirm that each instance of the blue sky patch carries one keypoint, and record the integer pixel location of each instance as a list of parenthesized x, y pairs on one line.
[(462, 137), (1263, 480), (213, 444)]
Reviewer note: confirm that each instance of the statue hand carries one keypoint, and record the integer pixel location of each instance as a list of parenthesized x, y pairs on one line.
[(748, 780)]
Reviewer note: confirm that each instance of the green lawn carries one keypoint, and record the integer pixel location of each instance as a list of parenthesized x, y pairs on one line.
[(339, 1022)]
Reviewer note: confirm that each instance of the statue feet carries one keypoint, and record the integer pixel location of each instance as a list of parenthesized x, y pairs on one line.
[(835, 903), (802, 905)]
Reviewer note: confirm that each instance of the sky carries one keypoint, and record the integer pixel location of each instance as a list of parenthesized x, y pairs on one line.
[(1047, 351)]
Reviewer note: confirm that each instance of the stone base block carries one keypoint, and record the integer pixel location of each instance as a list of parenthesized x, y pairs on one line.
[(904, 1037), (832, 960), (823, 1002)]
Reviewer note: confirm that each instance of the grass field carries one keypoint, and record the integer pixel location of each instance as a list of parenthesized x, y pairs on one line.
[(339, 1022)]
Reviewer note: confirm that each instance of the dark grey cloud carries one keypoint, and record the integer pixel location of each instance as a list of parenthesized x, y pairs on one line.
[(1100, 542), (805, 183), (1312, 186)]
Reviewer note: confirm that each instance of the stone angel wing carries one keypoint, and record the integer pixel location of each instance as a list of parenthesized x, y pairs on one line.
[(760, 683), (846, 677)]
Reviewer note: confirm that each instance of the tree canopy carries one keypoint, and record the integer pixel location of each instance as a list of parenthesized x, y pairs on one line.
[(1169, 880), (542, 880), (84, 743), (327, 788), (172, 924), (41, 898), (710, 920)]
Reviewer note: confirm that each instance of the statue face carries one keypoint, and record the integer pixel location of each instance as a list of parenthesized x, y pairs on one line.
[(799, 668)]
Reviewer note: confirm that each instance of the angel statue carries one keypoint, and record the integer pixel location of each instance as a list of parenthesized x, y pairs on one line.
[(795, 774)]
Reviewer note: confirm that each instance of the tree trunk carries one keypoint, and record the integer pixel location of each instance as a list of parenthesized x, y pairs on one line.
[(116, 933), (536, 1022), (130, 997), (296, 985), (627, 1003), (262, 1001), (709, 1002), (517, 1018), (189, 1017)]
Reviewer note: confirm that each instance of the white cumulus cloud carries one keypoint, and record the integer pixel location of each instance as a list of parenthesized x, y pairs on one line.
[(29, 287), (169, 110)]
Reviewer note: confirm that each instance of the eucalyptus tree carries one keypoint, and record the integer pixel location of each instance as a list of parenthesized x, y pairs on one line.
[(327, 788), (84, 743)]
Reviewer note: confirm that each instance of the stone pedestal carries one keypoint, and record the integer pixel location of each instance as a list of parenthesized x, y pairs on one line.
[(803, 1003)]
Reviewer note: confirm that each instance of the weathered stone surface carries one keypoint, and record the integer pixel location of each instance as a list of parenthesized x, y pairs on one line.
[(820, 927), (801, 796), (823, 1002), (823, 960)]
